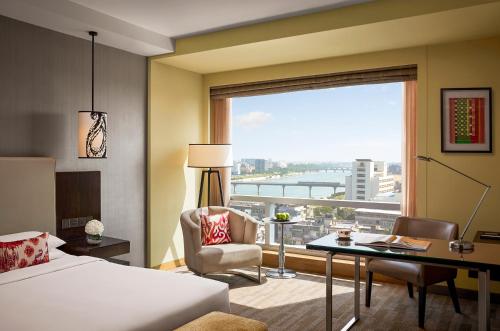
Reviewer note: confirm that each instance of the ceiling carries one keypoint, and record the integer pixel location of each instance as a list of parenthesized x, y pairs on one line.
[(440, 27), (180, 18), (149, 27)]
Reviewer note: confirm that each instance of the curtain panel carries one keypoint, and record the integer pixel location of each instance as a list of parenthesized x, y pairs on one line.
[(371, 76), (408, 203), (220, 134)]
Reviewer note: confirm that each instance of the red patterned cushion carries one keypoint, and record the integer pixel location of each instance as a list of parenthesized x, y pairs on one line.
[(215, 229), (24, 253)]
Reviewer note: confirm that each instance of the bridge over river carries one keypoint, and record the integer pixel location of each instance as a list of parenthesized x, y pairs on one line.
[(310, 185)]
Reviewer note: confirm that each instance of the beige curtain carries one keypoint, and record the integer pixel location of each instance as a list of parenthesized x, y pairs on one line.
[(408, 203), (220, 115)]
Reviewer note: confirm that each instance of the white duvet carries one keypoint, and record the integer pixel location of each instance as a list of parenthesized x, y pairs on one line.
[(84, 293)]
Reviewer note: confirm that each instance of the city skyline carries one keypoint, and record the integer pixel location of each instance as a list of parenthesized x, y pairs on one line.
[(359, 122)]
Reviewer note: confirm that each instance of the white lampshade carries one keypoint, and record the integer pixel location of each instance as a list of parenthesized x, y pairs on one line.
[(92, 134), (210, 155)]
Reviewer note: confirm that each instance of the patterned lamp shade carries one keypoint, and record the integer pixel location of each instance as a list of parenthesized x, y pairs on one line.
[(92, 134)]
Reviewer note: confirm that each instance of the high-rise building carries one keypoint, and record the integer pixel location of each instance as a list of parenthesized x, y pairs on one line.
[(260, 165), (236, 169), (368, 178)]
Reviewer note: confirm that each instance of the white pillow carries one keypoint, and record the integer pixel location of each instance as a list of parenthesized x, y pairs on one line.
[(53, 241), (56, 254)]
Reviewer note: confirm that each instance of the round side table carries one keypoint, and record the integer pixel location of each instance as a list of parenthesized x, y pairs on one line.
[(281, 272)]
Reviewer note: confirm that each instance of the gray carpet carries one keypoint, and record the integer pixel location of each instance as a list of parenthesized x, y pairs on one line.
[(299, 304)]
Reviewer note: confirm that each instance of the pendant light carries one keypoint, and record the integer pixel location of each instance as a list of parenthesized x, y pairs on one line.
[(92, 125)]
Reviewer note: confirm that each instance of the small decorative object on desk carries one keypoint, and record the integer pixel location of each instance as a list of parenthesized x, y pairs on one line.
[(344, 234), (94, 230)]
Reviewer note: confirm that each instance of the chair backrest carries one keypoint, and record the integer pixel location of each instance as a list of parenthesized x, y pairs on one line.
[(236, 222), (241, 228), (425, 228)]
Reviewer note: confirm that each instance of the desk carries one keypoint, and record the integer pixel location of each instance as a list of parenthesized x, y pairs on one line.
[(494, 273), (484, 258)]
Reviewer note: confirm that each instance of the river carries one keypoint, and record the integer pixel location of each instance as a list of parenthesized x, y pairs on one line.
[(298, 191)]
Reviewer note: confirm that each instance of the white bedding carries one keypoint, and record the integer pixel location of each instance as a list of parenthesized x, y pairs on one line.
[(84, 293)]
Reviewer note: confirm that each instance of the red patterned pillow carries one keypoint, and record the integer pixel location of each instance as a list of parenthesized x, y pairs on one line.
[(215, 229), (24, 253)]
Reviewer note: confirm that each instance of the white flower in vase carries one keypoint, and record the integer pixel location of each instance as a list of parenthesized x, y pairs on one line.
[(94, 230)]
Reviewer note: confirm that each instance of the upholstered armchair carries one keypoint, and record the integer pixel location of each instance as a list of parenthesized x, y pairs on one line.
[(241, 252), (416, 274)]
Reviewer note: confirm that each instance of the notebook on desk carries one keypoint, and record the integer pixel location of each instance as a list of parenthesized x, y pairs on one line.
[(393, 241)]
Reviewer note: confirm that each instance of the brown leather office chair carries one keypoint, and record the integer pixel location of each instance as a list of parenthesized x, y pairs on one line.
[(417, 274)]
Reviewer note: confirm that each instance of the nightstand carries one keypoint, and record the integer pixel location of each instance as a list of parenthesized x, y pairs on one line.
[(108, 248)]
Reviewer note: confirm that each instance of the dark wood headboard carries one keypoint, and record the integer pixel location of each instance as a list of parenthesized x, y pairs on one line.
[(78, 200)]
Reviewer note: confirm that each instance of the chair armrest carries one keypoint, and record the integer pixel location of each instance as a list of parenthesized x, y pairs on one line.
[(251, 226), (192, 234)]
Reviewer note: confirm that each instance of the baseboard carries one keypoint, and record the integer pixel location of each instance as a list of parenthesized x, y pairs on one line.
[(171, 265)]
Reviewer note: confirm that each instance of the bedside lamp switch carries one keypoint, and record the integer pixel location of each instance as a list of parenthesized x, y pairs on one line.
[(75, 222)]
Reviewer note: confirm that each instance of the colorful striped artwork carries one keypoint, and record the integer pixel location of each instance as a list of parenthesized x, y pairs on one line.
[(467, 121)]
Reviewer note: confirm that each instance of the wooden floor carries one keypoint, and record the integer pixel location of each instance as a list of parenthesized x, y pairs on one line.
[(299, 304)]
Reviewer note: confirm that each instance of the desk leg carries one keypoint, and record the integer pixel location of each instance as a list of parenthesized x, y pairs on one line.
[(329, 325), (483, 301), (353, 320), (356, 288)]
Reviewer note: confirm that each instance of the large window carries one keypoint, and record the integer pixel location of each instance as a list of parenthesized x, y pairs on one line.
[(329, 157)]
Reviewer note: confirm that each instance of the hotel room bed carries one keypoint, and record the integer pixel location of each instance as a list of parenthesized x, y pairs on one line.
[(71, 293), (86, 293)]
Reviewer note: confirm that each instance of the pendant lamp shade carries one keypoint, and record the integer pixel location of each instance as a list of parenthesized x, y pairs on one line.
[(92, 126), (92, 134)]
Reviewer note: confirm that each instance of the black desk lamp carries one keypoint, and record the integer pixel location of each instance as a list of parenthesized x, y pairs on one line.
[(461, 244), (210, 156)]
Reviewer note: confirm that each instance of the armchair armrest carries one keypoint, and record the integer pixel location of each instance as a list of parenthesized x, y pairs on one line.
[(192, 234), (251, 226)]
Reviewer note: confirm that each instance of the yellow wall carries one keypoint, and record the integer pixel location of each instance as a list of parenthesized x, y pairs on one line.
[(175, 120), (467, 64), (440, 194)]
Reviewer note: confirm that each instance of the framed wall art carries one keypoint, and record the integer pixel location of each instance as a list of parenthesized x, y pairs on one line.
[(466, 125)]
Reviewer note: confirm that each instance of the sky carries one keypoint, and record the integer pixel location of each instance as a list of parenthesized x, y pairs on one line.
[(327, 125)]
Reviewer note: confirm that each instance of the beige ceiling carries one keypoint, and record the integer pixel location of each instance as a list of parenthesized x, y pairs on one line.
[(175, 18), (446, 26)]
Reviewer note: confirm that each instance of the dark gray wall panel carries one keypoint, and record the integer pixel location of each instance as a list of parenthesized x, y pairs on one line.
[(44, 81)]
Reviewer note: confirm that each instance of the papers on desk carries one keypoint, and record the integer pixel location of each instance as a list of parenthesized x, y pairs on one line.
[(393, 241)]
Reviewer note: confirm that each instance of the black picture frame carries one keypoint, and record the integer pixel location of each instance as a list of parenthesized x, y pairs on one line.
[(487, 147)]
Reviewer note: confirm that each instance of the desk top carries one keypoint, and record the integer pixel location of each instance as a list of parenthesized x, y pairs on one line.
[(485, 255)]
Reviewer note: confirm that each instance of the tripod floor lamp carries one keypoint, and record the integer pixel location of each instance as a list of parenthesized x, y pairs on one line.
[(208, 156), (460, 244)]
